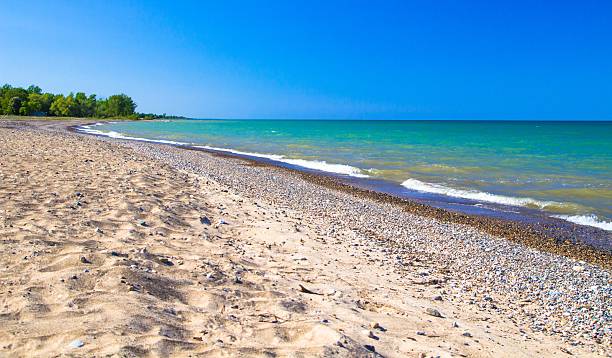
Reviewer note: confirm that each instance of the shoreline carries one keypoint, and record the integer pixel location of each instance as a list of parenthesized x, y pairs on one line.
[(512, 205), (207, 253), (548, 236)]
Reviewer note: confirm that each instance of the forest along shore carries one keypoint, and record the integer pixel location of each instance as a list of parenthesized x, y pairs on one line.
[(148, 248)]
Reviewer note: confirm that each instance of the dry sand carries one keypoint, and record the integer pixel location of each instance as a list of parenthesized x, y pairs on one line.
[(107, 252)]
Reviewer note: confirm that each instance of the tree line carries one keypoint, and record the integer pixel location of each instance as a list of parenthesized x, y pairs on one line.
[(32, 101)]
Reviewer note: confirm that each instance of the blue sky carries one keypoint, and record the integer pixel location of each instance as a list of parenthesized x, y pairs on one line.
[(327, 59)]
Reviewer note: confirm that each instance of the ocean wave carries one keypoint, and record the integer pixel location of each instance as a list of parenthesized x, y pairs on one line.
[(112, 134), (309, 164), (589, 220), (418, 185)]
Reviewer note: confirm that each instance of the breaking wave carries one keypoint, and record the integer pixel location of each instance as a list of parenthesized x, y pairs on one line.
[(589, 220), (418, 185), (309, 164)]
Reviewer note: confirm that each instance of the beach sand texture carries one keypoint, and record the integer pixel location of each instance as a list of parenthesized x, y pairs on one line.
[(132, 249)]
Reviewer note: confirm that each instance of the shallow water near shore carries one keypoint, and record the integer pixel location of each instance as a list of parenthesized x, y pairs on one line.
[(562, 169)]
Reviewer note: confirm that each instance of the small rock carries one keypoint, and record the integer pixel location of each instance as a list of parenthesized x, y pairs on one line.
[(85, 260), (370, 334), (455, 324), (166, 262), (434, 312), (467, 334), (564, 350), (370, 347), (420, 333), (77, 343), (143, 223), (376, 325), (205, 221), (437, 298), (423, 272)]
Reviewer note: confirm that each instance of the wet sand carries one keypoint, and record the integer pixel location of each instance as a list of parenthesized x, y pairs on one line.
[(139, 249)]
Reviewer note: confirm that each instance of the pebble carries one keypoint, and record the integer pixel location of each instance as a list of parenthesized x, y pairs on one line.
[(376, 325), (166, 261), (370, 334), (433, 312), (423, 272), (370, 347), (77, 343)]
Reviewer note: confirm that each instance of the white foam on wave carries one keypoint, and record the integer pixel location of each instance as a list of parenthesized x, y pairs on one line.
[(418, 185), (112, 134), (589, 220), (88, 126), (309, 164)]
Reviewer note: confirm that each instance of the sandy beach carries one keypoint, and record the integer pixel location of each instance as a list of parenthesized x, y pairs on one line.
[(119, 248)]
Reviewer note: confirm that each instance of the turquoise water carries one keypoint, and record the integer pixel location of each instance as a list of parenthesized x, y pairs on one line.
[(564, 168)]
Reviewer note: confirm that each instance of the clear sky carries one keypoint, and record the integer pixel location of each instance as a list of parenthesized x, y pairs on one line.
[(320, 59)]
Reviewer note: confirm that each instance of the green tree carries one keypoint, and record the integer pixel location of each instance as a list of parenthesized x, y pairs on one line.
[(14, 105), (119, 105), (32, 101), (85, 106), (64, 106), (46, 100), (38, 104), (11, 99), (34, 89), (101, 108)]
